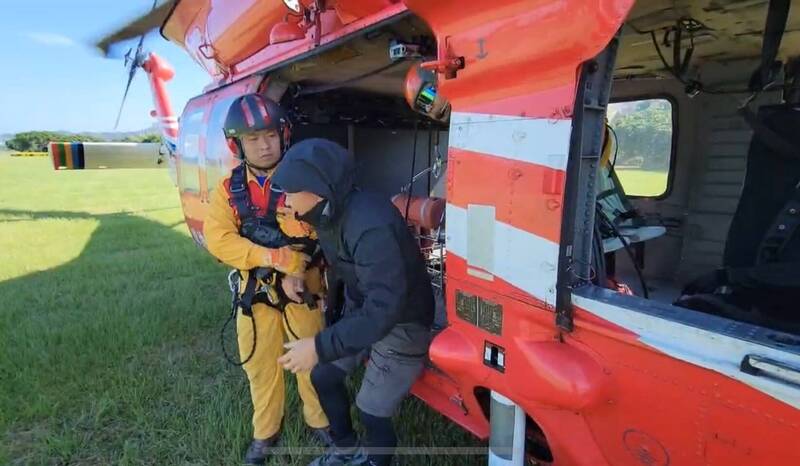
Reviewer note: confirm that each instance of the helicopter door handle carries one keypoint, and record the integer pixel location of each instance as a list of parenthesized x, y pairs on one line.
[(761, 366)]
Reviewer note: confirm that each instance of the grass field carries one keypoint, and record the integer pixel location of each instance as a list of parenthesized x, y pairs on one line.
[(642, 182), (109, 323)]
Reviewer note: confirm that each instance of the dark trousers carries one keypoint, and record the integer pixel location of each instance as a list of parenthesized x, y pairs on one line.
[(381, 439)]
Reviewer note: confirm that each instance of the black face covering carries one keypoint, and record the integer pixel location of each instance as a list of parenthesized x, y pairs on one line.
[(314, 215)]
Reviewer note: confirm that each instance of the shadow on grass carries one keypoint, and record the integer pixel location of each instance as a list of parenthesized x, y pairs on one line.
[(113, 355), (113, 358)]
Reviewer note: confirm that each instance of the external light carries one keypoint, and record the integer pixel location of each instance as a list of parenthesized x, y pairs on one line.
[(293, 5)]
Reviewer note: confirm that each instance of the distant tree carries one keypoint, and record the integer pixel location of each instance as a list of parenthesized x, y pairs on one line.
[(645, 134), (83, 138), (150, 137), (36, 141)]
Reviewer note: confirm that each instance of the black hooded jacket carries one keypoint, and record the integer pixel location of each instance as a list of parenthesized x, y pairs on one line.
[(368, 245)]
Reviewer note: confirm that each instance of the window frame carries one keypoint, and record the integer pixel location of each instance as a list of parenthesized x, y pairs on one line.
[(577, 247), (673, 143)]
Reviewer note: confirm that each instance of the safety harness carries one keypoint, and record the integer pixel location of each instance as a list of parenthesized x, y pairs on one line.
[(263, 283)]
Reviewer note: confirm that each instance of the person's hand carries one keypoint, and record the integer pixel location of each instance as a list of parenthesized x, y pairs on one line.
[(301, 357), (288, 260), (291, 226), (293, 287)]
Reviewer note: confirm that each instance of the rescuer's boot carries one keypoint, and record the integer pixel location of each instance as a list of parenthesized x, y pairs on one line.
[(260, 450)]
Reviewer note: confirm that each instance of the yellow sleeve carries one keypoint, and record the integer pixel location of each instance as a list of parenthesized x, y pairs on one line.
[(222, 236)]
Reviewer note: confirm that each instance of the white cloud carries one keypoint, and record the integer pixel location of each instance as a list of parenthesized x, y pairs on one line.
[(50, 39)]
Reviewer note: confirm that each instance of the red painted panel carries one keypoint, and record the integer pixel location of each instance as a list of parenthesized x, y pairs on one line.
[(555, 382), (526, 195), (552, 103), (235, 33), (663, 410), (517, 48)]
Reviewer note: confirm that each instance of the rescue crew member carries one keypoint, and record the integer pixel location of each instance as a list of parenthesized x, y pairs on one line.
[(387, 307), (244, 230)]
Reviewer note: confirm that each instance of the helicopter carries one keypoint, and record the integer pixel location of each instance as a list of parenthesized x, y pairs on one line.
[(555, 338)]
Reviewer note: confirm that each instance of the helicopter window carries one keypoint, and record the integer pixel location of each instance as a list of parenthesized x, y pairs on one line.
[(189, 147), (702, 247), (192, 125), (216, 148), (219, 158), (643, 140)]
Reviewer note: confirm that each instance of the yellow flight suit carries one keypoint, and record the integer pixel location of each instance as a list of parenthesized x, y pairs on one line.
[(221, 231)]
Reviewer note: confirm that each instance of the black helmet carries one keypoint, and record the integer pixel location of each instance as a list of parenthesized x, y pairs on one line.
[(254, 112)]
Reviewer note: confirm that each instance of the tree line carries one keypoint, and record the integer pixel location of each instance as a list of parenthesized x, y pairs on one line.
[(644, 133), (36, 141)]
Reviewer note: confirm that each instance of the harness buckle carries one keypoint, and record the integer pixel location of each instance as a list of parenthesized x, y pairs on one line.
[(233, 283), (233, 280)]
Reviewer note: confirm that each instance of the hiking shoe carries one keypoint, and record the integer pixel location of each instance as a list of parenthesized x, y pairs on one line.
[(342, 457), (259, 450)]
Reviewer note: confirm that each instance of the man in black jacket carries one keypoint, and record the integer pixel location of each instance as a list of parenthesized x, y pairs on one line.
[(387, 306)]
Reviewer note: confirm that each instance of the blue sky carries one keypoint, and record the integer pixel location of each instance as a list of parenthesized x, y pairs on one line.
[(51, 78)]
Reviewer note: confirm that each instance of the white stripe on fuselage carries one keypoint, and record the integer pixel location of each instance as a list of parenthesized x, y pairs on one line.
[(535, 140), (526, 261)]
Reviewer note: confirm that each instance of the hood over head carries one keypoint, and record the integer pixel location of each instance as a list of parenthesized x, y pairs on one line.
[(319, 166)]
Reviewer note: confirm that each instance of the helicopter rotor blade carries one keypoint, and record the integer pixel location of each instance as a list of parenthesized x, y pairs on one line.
[(131, 74), (136, 62), (138, 27)]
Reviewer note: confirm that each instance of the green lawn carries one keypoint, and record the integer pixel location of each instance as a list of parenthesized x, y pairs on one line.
[(642, 182), (109, 331)]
